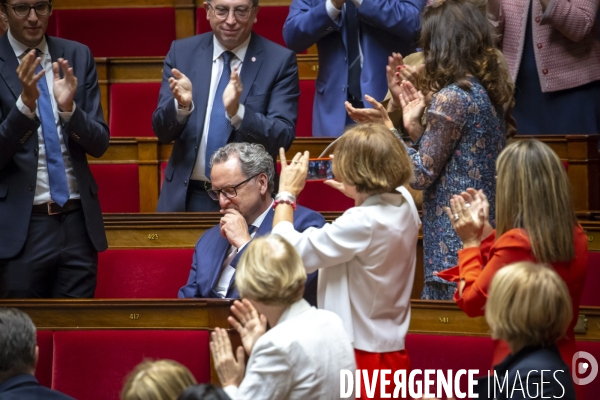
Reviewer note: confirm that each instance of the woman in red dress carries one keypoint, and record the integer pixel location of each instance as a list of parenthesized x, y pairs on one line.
[(535, 221)]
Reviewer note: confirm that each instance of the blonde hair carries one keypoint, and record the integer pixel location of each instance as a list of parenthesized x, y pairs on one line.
[(157, 380), (528, 304), (533, 192), (271, 271), (371, 158)]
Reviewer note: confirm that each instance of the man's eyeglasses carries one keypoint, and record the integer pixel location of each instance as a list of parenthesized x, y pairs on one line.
[(23, 10), (229, 192), (240, 13)]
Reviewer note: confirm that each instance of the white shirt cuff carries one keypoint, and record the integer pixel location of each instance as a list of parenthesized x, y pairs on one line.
[(24, 109), (333, 12), (236, 120), (182, 113), (231, 391), (65, 116)]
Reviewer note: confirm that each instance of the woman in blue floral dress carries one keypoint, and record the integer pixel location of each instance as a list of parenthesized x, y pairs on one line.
[(464, 133)]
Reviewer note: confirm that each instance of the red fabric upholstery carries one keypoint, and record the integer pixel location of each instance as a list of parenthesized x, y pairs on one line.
[(119, 32), (43, 370), (163, 166), (590, 295), (147, 273), (118, 187), (131, 108), (92, 365), (269, 22), (305, 109), (592, 389)]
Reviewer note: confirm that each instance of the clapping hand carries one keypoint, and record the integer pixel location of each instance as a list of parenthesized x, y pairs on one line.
[(468, 227), (64, 88), (293, 175), (232, 93), (413, 105), (249, 323), (376, 114), (181, 87), (477, 202), (229, 370), (29, 79)]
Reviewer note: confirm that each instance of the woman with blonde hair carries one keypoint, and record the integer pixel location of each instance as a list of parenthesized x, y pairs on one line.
[(366, 257), (529, 307), (535, 222), (157, 380), (302, 354)]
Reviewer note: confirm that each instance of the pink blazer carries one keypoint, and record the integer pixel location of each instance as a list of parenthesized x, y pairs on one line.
[(566, 45)]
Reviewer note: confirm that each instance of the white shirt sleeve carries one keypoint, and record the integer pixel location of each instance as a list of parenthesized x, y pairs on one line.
[(182, 113), (236, 120), (65, 116), (334, 243), (333, 12), (24, 109)]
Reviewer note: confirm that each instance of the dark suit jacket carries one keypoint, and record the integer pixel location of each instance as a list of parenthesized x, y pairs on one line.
[(211, 250), (85, 133), (270, 95), (529, 363), (26, 387)]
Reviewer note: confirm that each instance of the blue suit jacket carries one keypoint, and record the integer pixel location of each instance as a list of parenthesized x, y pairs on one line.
[(270, 95), (25, 386), (386, 26), (211, 251), (85, 133)]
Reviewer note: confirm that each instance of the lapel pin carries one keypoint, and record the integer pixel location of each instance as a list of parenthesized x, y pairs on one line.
[(253, 59)]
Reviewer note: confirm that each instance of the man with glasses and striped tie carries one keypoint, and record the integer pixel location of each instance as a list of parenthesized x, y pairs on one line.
[(228, 85), (51, 225), (242, 183)]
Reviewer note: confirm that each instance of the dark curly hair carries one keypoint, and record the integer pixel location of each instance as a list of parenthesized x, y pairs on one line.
[(458, 41)]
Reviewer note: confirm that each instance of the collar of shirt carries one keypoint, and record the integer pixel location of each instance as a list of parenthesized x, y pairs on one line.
[(293, 310), (258, 221), (20, 49), (218, 49)]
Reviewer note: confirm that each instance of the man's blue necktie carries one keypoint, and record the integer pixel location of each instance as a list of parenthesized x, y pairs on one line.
[(219, 126), (59, 189)]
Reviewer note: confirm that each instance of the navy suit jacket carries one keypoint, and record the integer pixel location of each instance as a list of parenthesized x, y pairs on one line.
[(270, 95), (85, 133), (26, 387), (386, 26), (211, 250)]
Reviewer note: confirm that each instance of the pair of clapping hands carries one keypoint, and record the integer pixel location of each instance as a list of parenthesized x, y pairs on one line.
[(469, 214), (250, 325), (63, 88), (401, 83)]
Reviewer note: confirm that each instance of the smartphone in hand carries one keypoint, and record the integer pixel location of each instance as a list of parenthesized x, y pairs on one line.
[(319, 169)]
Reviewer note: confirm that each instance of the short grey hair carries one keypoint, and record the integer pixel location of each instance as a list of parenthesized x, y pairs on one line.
[(253, 157), (17, 343)]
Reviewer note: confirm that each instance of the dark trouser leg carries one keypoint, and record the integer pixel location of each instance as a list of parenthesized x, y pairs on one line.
[(198, 200)]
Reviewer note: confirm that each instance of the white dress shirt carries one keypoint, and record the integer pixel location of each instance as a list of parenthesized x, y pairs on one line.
[(198, 172), (299, 358), (42, 187), (227, 270), (367, 261)]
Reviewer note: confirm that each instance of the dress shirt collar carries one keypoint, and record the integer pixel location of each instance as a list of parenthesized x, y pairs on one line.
[(396, 198), (19, 48), (240, 51), (294, 310), (258, 221)]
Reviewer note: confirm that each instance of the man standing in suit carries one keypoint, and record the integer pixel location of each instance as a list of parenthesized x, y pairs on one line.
[(18, 359), (50, 119), (228, 85), (354, 40), (242, 179)]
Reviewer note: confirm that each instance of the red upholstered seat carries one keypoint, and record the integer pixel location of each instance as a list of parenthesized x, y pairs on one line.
[(92, 365), (43, 370), (305, 108), (131, 108), (590, 295), (142, 273), (118, 187), (592, 389), (118, 32)]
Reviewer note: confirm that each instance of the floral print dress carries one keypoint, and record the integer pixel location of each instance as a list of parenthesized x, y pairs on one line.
[(458, 150)]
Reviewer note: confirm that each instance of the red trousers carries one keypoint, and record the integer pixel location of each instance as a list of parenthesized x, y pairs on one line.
[(393, 361)]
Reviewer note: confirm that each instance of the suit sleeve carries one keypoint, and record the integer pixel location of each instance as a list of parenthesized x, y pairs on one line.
[(15, 130), (87, 127), (164, 120), (275, 128), (401, 18), (574, 19), (191, 287), (305, 25)]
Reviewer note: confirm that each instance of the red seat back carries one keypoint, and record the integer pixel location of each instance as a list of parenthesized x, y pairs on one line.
[(92, 365), (590, 295), (131, 108), (142, 273), (43, 370), (118, 187), (305, 109)]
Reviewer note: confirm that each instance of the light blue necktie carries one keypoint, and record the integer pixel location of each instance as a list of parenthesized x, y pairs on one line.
[(59, 189), (219, 126)]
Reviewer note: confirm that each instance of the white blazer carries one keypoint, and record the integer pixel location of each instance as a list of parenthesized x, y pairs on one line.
[(299, 358), (367, 261)]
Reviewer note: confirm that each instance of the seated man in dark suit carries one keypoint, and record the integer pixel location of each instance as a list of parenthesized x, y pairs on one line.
[(228, 85), (242, 181), (18, 358)]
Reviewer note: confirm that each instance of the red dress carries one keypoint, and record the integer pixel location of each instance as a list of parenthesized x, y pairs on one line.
[(477, 267)]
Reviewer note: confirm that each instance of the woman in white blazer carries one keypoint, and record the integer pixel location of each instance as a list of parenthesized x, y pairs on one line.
[(302, 354), (366, 258)]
